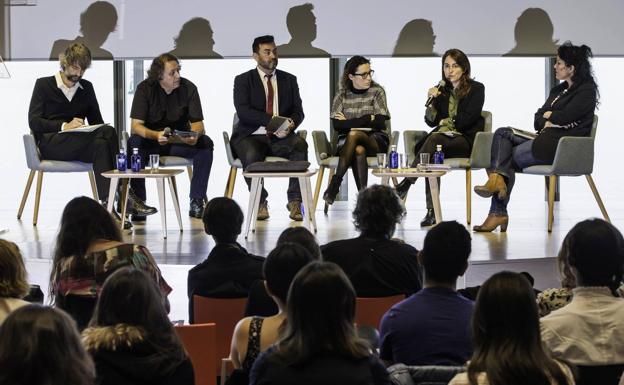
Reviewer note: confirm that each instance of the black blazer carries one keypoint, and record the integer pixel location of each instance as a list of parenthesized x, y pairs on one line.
[(250, 102), (49, 108), (574, 109)]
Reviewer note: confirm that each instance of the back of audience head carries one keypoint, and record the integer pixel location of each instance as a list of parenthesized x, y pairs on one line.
[(593, 254), (40, 345), (303, 237), (445, 253), (223, 219), (130, 297), (281, 266), (506, 333), (377, 212), (13, 283), (320, 316)]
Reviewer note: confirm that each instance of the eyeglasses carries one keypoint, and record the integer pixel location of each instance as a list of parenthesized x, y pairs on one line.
[(365, 75)]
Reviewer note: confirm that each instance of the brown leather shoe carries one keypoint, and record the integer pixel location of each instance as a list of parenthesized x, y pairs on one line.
[(495, 185), (263, 211), (295, 210), (492, 222)]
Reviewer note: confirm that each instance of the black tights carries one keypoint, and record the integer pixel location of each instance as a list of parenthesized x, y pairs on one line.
[(357, 146)]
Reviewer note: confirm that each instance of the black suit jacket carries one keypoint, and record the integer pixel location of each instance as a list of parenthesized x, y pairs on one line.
[(250, 102), (468, 120), (575, 109), (376, 267), (49, 108)]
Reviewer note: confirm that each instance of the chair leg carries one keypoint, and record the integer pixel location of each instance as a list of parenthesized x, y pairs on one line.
[(319, 182), (592, 185), (552, 181), (190, 172), (93, 186), (395, 181), (229, 186), (468, 195), (26, 192), (332, 171), (37, 196)]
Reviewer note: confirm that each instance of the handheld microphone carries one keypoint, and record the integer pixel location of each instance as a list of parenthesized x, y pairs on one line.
[(167, 131), (430, 98)]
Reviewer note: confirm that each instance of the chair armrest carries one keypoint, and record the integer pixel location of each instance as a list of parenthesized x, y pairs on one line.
[(574, 156), (228, 148), (303, 134), (410, 138), (481, 155), (321, 145), (33, 158)]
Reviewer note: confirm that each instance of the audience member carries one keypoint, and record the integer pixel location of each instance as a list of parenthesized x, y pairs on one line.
[(507, 345), (40, 345), (89, 247), (130, 337), (253, 335), (229, 270), (259, 302), (432, 327), (377, 265), (319, 344), (590, 330), (13, 284)]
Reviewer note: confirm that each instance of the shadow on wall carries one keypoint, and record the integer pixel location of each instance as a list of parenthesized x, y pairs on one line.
[(97, 22), (415, 39), (534, 34), (195, 41), (301, 24)]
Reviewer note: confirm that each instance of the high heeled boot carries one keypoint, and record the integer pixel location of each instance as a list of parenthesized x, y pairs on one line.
[(492, 222), (329, 195), (495, 185)]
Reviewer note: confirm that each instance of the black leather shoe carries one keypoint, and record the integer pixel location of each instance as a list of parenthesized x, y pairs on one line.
[(403, 188), (137, 218), (429, 219), (127, 225), (197, 208), (329, 196), (137, 206)]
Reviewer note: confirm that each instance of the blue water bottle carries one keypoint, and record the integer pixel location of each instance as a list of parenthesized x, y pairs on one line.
[(438, 156), (135, 160), (122, 160), (394, 157)]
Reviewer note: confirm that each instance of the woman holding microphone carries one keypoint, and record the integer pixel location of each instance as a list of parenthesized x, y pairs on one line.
[(454, 110)]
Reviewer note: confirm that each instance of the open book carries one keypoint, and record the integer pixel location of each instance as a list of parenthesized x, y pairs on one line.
[(277, 124), (85, 128), (177, 137), (524, 134)]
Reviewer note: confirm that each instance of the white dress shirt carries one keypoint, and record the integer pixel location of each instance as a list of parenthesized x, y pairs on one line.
[(69, 92), (262, 130)]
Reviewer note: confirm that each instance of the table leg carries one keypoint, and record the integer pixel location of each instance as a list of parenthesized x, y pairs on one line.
[(311, 213), (173, 188), (163, 208), (256, 204), (435, 197), (306, 203), (111, 193), (124, 200), (385, 180), (251, 208)]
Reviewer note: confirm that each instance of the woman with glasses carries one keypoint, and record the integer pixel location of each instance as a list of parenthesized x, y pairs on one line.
[(568, 111), (454, 110), (359, 114)]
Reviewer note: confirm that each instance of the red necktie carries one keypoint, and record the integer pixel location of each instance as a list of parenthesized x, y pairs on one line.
[(269, 103)]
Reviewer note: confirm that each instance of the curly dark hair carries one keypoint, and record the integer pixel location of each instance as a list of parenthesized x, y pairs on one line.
[(578, 56), (350, 68), (157, 68), (377, 211)]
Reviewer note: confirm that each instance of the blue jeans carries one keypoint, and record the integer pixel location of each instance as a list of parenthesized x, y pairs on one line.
[(510, 153)]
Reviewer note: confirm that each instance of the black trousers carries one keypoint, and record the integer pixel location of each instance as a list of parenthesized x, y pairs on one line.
[(99, 147), (452, 147), (201, 153), (254, 148)]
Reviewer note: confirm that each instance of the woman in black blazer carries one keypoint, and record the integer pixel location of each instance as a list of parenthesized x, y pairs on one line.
[(455, 112), (568, 111)]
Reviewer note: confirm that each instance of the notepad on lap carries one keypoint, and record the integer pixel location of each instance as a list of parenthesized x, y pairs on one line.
[(278, 124), (85, 128), (524, 134)]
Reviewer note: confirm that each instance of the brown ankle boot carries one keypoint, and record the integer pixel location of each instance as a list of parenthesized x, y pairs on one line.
[(492, 222), (495, 185)]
